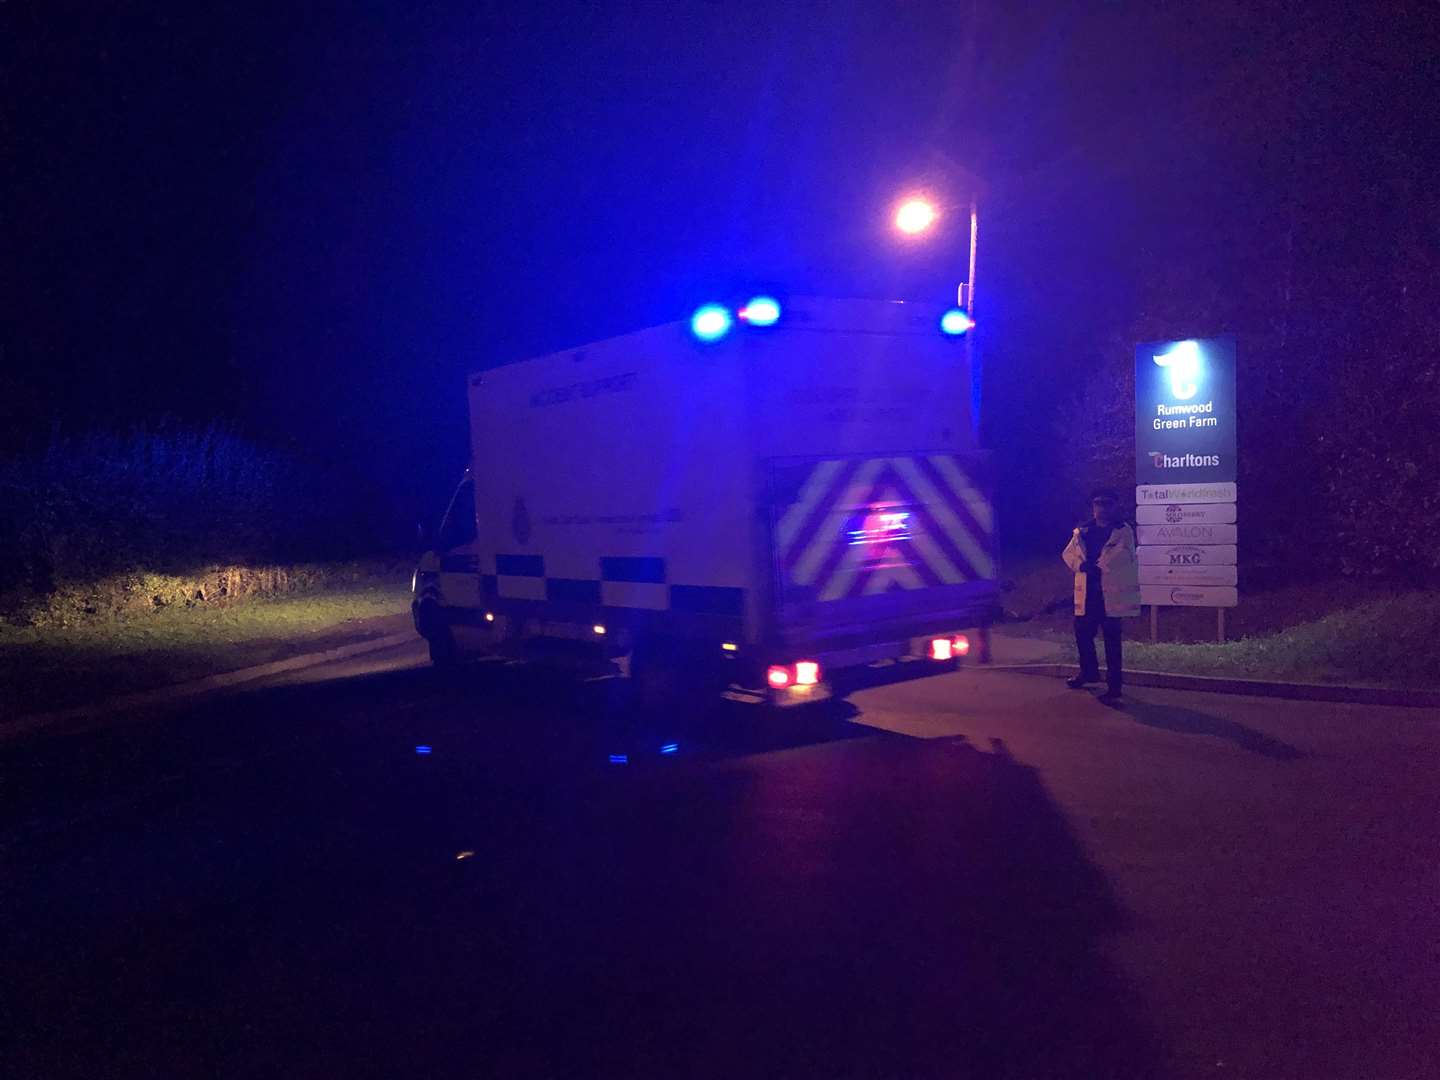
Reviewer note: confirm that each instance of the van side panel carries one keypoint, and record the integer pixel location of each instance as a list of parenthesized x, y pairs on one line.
[(612, 485)]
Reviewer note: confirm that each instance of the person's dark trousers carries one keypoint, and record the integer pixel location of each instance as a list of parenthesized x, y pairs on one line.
[(1085, 628)]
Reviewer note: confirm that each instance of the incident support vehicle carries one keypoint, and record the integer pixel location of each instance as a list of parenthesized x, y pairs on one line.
[(748, 503)]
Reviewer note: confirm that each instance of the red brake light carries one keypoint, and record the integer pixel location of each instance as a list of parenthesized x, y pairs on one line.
[(778, 676), (940, 648), (807, 673), (962, 645)]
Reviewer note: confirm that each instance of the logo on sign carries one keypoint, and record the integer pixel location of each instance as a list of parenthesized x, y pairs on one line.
[(880, 531), (1185, 557), (1174, 515), (1193, 532), (1161, 460), (1184, 367)]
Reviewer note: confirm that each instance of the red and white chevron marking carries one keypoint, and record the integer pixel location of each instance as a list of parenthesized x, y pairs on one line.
[(860, 527)]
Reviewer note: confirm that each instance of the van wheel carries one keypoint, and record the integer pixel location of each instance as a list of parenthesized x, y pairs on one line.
[(444, 652), (671, 676), (655, 676)]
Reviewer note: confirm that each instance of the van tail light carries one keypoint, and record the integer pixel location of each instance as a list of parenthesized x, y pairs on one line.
[(801, 673), (941, 648), (961, 645)]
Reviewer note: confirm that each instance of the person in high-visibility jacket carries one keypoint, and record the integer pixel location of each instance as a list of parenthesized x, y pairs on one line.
[(1101, 552)]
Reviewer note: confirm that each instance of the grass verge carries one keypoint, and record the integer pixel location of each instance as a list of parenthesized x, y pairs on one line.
[(1389, 641), (46, 667)]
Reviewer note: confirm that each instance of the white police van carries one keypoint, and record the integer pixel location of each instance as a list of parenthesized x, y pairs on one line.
[(746, 502)]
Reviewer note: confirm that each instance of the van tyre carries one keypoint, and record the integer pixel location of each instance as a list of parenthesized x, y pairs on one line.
[(444, 653), (655, 677), (672, 676)]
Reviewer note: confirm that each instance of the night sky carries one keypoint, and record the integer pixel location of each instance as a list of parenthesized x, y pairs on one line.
[(308, 222)]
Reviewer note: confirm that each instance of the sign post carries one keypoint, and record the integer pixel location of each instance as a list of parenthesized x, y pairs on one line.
[(1185, 494)]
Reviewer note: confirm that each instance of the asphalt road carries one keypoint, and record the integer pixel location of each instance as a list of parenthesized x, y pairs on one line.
[(977, 874)]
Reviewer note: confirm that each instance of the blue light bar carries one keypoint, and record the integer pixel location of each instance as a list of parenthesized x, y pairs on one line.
[(956, 322), (619, 759), (761, 311), (422, 749), (711, 322), (670, 748)]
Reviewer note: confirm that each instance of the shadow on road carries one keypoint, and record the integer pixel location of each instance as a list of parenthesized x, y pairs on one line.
[(853, 905), (1193, 722), (888, 674)]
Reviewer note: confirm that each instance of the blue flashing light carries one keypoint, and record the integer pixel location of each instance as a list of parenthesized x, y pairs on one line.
[(711, 322), (670, 748), (956, 322), (761, 311), (422, 749), (619, 759)]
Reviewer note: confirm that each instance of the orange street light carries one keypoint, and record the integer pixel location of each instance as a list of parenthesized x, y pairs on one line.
[(915, 215)]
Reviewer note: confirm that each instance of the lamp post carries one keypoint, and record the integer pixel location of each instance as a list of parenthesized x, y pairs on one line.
[(916, 215)]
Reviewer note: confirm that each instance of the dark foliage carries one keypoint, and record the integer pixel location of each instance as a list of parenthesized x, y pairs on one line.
[(167, 500)]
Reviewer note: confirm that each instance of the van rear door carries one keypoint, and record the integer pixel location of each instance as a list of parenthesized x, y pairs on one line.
[(880, 548)]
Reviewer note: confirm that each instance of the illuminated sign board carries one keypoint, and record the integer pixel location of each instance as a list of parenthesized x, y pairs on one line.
[(1185, 494), (1185, 411)]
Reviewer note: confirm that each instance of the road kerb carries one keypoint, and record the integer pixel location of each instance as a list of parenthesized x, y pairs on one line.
[(1356, 695), (33, 722)]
